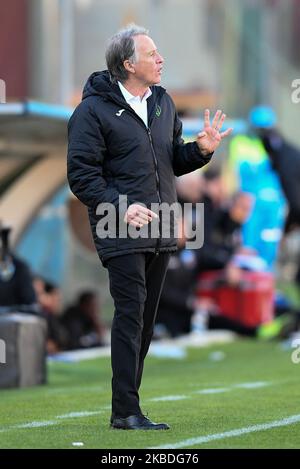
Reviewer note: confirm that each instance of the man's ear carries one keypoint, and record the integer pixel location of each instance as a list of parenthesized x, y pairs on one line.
[(129, 66)]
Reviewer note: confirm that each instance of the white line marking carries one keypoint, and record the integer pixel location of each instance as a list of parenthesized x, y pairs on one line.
[(78, 414), (212, 391), (47, 423), (250, 385), (253, 385), (169, 398), (231, 433), (37, 424)]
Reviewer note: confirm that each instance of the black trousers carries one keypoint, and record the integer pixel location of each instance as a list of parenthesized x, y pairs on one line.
[(136, 282)]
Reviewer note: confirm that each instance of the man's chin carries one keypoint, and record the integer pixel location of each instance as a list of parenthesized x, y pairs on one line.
[(155, 81)]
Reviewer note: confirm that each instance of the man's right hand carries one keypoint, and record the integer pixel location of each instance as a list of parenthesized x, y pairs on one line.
[(138, 216)]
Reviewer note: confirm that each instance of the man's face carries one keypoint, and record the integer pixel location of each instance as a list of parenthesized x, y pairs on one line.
[(149, 63)]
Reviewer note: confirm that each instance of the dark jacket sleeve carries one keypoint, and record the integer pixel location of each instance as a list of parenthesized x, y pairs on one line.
[(186, 156), (86, 153)]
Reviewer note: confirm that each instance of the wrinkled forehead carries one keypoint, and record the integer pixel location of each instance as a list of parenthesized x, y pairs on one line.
[(144, 44)]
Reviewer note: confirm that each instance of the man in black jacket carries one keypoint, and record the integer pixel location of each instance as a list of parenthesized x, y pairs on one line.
[(125, 147)]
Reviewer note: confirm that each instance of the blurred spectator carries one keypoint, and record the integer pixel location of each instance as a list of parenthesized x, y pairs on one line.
[(213, 199), (189, 187), (222, 243), (16, 288), (285, 159), (83, 323), (222, 227), (175, 306), (39, 286), (212, 319), (213, 187), (49, 299), (248, 162), (181, 312)]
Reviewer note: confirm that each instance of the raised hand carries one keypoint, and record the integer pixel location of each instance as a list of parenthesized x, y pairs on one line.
[(210, 138)]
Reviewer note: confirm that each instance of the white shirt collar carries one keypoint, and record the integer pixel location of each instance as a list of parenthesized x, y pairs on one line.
[(130, 98)]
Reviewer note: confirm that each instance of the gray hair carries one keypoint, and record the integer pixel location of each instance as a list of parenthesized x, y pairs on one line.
[(121, 47)]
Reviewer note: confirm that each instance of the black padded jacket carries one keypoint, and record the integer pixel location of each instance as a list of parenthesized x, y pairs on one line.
[(111, 153)]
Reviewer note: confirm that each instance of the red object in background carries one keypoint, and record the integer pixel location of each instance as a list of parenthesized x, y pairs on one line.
[(14, 52), (251, 303)]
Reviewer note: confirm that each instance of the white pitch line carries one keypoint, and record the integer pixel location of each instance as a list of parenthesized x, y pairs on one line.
[(169, 398), (249, 385), (212, 391), (200, 440), (48, 423), (252, 385), (78, 414)]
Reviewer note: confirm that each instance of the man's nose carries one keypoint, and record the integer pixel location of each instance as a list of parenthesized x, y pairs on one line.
[(160, 59)]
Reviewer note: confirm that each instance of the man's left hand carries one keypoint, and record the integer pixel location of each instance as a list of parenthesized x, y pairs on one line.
[(209, 140)]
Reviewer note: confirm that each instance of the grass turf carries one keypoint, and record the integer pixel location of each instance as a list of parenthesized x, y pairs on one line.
[(85, 387)]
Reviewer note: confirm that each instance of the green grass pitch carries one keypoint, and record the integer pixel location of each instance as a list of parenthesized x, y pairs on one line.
[(202, 399)]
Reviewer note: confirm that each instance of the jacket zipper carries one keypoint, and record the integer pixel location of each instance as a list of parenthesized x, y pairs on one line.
[(141, 122), (157, 188)]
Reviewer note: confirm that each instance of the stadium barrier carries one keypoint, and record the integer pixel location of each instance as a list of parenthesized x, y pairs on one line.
[(24, 336)]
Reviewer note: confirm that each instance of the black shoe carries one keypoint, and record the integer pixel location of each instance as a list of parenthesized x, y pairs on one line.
[(137, 422)]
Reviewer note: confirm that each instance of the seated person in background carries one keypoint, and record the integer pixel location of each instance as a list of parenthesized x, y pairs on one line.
[(49, 299), (178, 306), (175, 308), (189, 187), (82, 321), (222, 234), (211, 318), (16, 287), (180, 313), (221, 238)]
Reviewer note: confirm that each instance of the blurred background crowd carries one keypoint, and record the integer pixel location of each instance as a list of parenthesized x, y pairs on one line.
[(241, 56)]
